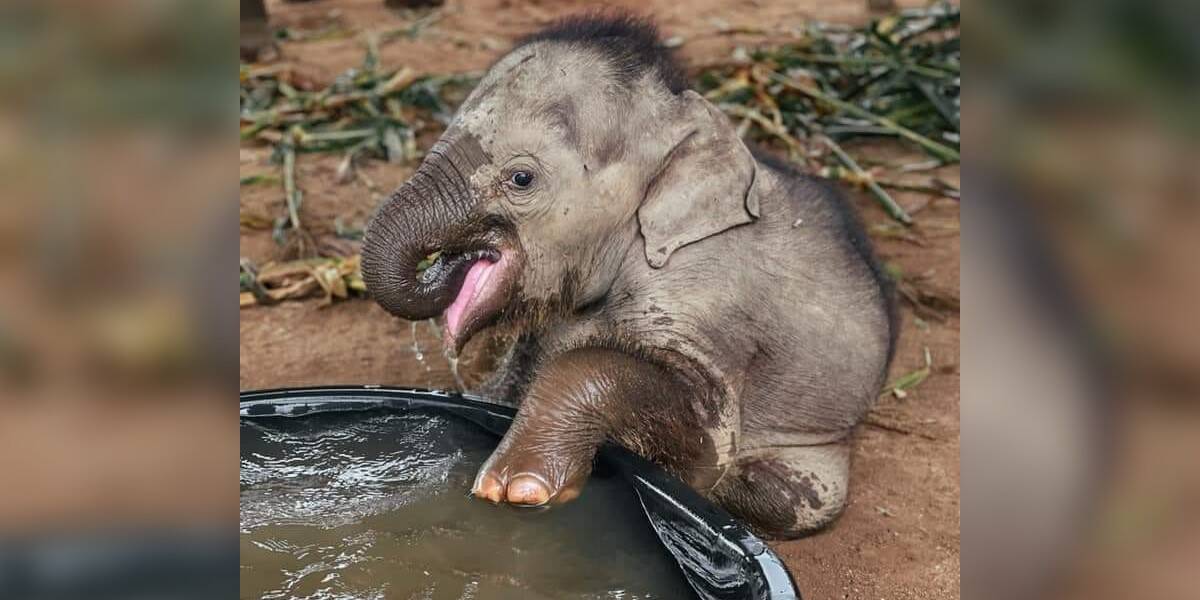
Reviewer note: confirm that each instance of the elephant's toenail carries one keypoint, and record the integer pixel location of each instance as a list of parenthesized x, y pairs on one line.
[(528, 489), (488, 488)]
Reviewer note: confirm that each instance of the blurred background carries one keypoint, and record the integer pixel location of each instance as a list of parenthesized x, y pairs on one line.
[(118, 442), (1080, 389)]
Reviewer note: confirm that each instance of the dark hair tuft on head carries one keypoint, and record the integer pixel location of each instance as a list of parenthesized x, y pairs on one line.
[(628, 42)]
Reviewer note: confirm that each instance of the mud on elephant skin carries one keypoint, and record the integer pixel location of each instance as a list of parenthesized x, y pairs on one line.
[(670, 290)]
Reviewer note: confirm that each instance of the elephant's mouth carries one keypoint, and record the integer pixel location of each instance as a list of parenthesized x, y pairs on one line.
[(482, 280)]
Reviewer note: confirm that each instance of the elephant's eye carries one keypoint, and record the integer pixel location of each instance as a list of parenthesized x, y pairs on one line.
[(522, 179)]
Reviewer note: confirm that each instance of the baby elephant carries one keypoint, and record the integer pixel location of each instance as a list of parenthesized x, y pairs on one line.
[(711, 310)]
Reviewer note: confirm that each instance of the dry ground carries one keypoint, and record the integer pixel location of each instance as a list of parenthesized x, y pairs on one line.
[(898, 539)]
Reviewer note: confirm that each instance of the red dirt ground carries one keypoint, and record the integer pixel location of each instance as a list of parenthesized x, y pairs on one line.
[(898, 539)]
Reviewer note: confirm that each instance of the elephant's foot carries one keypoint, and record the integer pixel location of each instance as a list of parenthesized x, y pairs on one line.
[(789, 492), (577, 400), (521, 477)]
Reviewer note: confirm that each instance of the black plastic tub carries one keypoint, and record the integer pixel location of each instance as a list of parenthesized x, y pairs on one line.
[(718, 557)]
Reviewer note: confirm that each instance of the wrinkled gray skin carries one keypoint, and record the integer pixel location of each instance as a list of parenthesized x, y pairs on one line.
[(669, 291)]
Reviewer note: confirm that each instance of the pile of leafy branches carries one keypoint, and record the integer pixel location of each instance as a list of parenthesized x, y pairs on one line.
[(365, 113), (897, 77)]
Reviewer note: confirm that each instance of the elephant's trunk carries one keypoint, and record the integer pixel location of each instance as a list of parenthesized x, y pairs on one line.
[(414, 257)]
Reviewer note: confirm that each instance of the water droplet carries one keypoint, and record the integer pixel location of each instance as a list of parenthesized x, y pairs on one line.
[(453, 360), (418, 354)]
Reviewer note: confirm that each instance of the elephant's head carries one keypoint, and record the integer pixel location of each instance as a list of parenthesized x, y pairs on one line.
[(574, 145)]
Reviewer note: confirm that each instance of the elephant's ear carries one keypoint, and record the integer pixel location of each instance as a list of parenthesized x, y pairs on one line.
[(703, 186)]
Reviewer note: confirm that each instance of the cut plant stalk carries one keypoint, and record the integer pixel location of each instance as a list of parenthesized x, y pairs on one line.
[(291, 194), (901, 386), (895, 210)]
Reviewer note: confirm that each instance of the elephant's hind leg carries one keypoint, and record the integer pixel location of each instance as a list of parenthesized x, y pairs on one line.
[(787, 492)]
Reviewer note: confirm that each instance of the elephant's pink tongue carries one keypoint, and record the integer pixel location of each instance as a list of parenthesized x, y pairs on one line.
[(476, 277)]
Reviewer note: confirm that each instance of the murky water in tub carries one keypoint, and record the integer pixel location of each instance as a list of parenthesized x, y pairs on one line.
[(375, 505)]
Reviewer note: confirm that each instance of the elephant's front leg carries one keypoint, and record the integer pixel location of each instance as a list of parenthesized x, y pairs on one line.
[(575, 402)]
